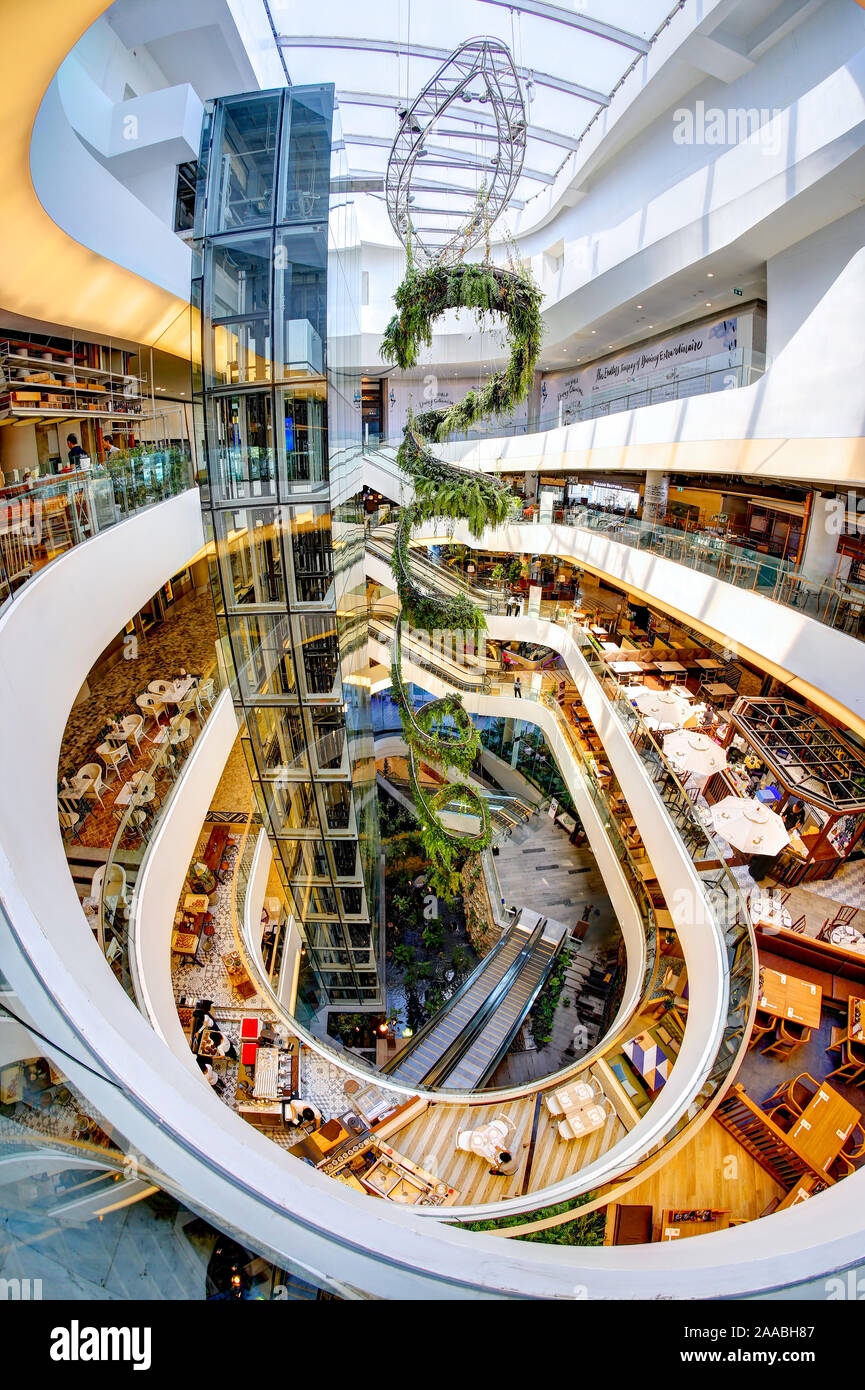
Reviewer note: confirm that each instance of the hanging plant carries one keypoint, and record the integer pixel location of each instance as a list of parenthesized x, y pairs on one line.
[(442, 732), (486, 289)]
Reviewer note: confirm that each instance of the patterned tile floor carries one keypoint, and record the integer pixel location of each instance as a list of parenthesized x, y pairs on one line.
[(186, 638)]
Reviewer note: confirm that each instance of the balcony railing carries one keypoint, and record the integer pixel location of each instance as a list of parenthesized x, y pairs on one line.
[(40, 520)]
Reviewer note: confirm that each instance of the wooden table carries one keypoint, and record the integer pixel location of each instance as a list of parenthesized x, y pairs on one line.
[(823, 1128), (786, 996), (185, 943), (800, 1193), (706, 664), (719, 690), (674, 1227), (671, 667)]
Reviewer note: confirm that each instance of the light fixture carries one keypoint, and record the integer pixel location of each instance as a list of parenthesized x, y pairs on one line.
[(710, 274), (639, 306), (708, 303), (594, 330)]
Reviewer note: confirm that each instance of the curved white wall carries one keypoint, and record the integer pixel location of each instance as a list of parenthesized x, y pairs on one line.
[(813, 658)]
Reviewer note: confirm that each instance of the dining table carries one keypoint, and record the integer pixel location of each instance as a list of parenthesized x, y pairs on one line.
[(847, 936), (768, 911), (823, 1128), (172, 692), (139, 788), (786, 996)]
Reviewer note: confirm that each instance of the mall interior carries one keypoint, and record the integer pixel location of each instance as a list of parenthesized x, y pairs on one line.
[(432, 456)]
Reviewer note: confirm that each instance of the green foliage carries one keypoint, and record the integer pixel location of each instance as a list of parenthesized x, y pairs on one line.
[(433, 934), (486, 289), (547, 1001), (583, 1230), (442, 732), (404, 956)]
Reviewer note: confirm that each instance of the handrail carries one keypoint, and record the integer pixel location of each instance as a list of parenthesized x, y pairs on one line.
[(71, 508)]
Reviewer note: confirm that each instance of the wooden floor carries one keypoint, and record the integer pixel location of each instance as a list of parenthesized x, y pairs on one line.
[(711, 1171), (430, 1140)]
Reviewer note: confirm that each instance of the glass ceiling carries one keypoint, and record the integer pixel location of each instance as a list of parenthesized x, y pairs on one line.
[(570, 57)]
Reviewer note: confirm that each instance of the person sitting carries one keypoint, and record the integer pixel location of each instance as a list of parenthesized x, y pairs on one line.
[(210, 1076), (794, 816)]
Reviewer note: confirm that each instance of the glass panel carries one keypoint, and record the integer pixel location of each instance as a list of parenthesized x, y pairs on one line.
[(250, 556), (242, 454), (301, 297), (304, 438), (312, 553), (245, 148), (238, 345), (328, 740), (316, 638), (262, 656), (337, 804), (304, 859), (305, 162), (277, 737)]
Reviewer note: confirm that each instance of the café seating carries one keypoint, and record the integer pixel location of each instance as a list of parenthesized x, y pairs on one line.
[(580, 1123), (763, 1025), (113, 757), (89, 778), (788, 1037), (850, 1055), (132, 727), (792, 1096), (583, 1093)]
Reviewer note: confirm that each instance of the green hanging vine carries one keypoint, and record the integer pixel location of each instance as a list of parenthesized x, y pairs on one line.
[(441, 732)]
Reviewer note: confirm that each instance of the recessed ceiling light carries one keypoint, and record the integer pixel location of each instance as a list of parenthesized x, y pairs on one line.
[(710, 274), (639, 306), (708, 303), (651, 325), (594, 330)]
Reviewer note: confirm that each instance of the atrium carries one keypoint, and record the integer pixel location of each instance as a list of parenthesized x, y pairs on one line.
[(432, 618)]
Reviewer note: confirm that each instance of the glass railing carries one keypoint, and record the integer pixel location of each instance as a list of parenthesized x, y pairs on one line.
[(146, 795), (85, 1199), (40, 520), (723, 371), (832, 602)]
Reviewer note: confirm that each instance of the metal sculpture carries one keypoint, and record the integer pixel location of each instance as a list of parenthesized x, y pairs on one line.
[(481, 70)]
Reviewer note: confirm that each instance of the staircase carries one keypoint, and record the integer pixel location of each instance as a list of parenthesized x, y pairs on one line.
[(764, 1141)]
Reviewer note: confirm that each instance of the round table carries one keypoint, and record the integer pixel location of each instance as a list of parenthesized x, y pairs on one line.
[(845, 935)]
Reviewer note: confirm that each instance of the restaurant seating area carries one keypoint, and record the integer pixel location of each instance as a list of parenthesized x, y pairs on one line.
[(117, 778)]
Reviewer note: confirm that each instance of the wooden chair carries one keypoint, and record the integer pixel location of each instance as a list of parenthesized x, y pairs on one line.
[(788, 1037), (844, 916), (851, 1065), (792, 1096), (763, 1025), (799, 925)]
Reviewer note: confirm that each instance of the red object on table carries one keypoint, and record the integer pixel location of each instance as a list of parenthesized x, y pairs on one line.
[(249, 1028), (248, 1054)]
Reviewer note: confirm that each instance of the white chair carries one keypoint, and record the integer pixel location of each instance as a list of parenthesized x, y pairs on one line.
[(115, 888), (180, 731), (149, 705), (552, 1105), (89, 779), (113, 757), (145, 788), (206, 692), (132, 727), (159, 687)]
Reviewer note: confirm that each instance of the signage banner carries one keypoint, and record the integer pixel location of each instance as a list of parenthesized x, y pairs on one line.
[(672, 367), (433, 393)]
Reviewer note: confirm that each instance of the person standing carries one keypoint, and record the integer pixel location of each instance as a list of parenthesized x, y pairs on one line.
[(518, 688), (74, 451)]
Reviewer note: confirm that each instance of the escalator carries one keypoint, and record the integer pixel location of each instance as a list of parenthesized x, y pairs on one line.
[(476, 1026)]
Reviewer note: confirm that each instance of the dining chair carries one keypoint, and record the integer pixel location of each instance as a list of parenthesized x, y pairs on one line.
[(799, 925), (792, 1096), (91, 776), (150, 705), (844, 917), (132, 727), (113, 757), (763, 1025), (851, 1065), (789, 1036), (552, 1106)]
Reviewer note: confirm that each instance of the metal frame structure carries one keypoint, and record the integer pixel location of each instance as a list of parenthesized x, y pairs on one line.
[(481, 70)]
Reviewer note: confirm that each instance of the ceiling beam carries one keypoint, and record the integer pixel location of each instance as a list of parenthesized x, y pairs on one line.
[(459, 159), (437, 55), (575, 21), (475, 117)]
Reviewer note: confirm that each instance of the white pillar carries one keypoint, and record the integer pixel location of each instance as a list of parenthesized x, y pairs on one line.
[(825, 525), (655, 495)]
